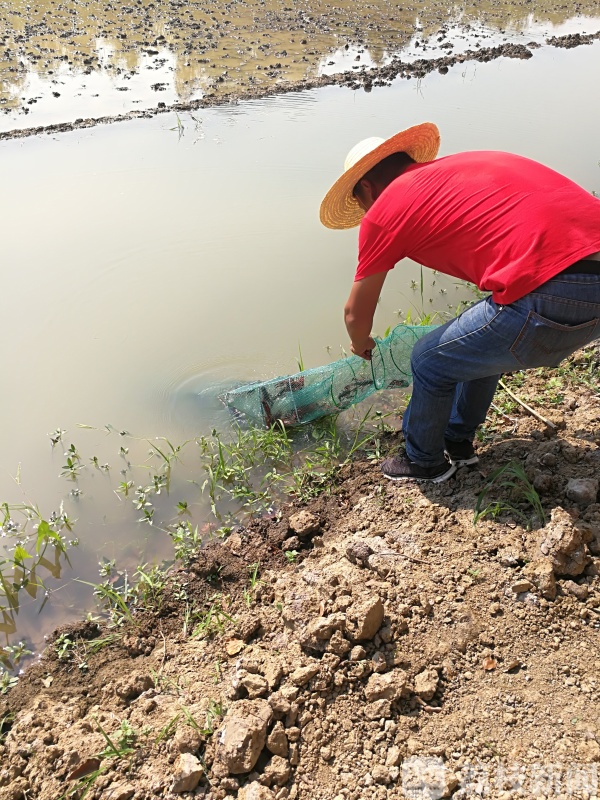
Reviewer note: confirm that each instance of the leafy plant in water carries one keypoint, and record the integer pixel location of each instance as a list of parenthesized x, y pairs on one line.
[(149, 586), (185, 539), (520, 497), (29, 544), (7, 681)]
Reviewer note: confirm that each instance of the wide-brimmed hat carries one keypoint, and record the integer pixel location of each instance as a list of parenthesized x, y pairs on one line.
[(339, 208)]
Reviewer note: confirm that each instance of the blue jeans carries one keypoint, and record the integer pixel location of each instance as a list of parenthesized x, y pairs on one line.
[(456, 367)]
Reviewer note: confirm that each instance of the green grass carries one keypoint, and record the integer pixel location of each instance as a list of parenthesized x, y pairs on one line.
[(34, 548), (212, 620), (508, 491)]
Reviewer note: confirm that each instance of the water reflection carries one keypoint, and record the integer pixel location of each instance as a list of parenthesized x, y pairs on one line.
[(61, 61)]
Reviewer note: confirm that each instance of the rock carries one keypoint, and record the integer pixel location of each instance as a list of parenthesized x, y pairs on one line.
[(242, 736), (294, 754), (248, 627), (121, 791), (580, 591), (292, 543), (280, 704), (583, 490), (321, 629), (565, 542), (277, 742), (508, 557), (273, 672), (338, 644), (278, 771), (426, 684), (364, 618), (541, 574), (389, 686), (358, 553), (521, 586), (17, 790), (234, 543), (131, 687), (379, 709), (378, 662), (393, 757), (302, 675), (427, 777), (230, 785), (303, 524), (380, 774), (255, 685), (450, 783), (187, 773), (358, 653), (255, 791), (234, 646), (594, 544), (186, 740)]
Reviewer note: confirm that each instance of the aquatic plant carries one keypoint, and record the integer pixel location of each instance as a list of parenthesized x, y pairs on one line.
[(32, 548)]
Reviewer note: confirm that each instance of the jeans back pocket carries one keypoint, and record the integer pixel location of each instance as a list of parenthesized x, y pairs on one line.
[(544, 343)]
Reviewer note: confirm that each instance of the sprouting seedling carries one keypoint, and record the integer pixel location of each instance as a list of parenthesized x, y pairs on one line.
[(253, 583), (519, 493), (124, 488), (180, 127), (56, 436), (71, 469)]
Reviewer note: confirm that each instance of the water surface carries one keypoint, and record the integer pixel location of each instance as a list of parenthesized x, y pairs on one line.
[(147, 265)]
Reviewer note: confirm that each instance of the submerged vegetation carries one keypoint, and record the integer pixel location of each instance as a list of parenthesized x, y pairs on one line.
[(33, 548), (203, 487), (245, 472)]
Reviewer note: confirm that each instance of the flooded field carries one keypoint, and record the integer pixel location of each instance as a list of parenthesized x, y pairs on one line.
[(152, 264), (67, 61)]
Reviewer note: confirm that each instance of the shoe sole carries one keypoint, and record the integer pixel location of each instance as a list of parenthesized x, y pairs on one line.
[(438, 479), (462, 462)]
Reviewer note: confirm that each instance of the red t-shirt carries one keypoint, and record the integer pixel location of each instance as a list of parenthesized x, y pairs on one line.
[(501, 221)]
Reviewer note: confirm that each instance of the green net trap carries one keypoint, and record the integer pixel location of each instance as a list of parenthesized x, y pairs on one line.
[(317, 392)]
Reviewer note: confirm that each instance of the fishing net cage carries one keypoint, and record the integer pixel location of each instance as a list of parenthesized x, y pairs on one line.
[(318, 392)]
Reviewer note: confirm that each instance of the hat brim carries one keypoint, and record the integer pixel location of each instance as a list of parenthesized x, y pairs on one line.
[(339, 208)]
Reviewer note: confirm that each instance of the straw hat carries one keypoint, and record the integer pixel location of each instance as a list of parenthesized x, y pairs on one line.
[(339, 208)]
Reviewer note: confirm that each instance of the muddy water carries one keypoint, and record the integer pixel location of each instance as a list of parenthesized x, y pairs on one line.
[(60, 61), (147, 265)]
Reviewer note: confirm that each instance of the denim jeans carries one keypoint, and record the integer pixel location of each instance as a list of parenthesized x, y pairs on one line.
[(456, 367)]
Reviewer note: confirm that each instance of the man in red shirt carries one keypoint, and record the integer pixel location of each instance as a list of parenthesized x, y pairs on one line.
[(513, 227)]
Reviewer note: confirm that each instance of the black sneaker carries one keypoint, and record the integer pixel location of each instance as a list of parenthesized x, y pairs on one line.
[(461, 454), (401, 468)]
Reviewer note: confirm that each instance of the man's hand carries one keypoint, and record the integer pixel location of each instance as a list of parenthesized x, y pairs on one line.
[(363, 349), (359, 311)]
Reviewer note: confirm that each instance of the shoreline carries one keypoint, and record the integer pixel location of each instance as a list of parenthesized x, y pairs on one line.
[(365, 79), (328, 649)]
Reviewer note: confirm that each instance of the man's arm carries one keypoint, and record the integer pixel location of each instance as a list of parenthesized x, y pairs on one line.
[(359, 312)]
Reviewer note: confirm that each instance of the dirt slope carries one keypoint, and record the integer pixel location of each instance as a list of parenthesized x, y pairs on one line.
[(403, 652)]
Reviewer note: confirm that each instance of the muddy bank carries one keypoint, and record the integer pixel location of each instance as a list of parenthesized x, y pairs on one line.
[(373, 643), (364, 78)]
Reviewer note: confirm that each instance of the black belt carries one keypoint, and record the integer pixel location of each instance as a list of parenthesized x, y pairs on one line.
[(583, 267)]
